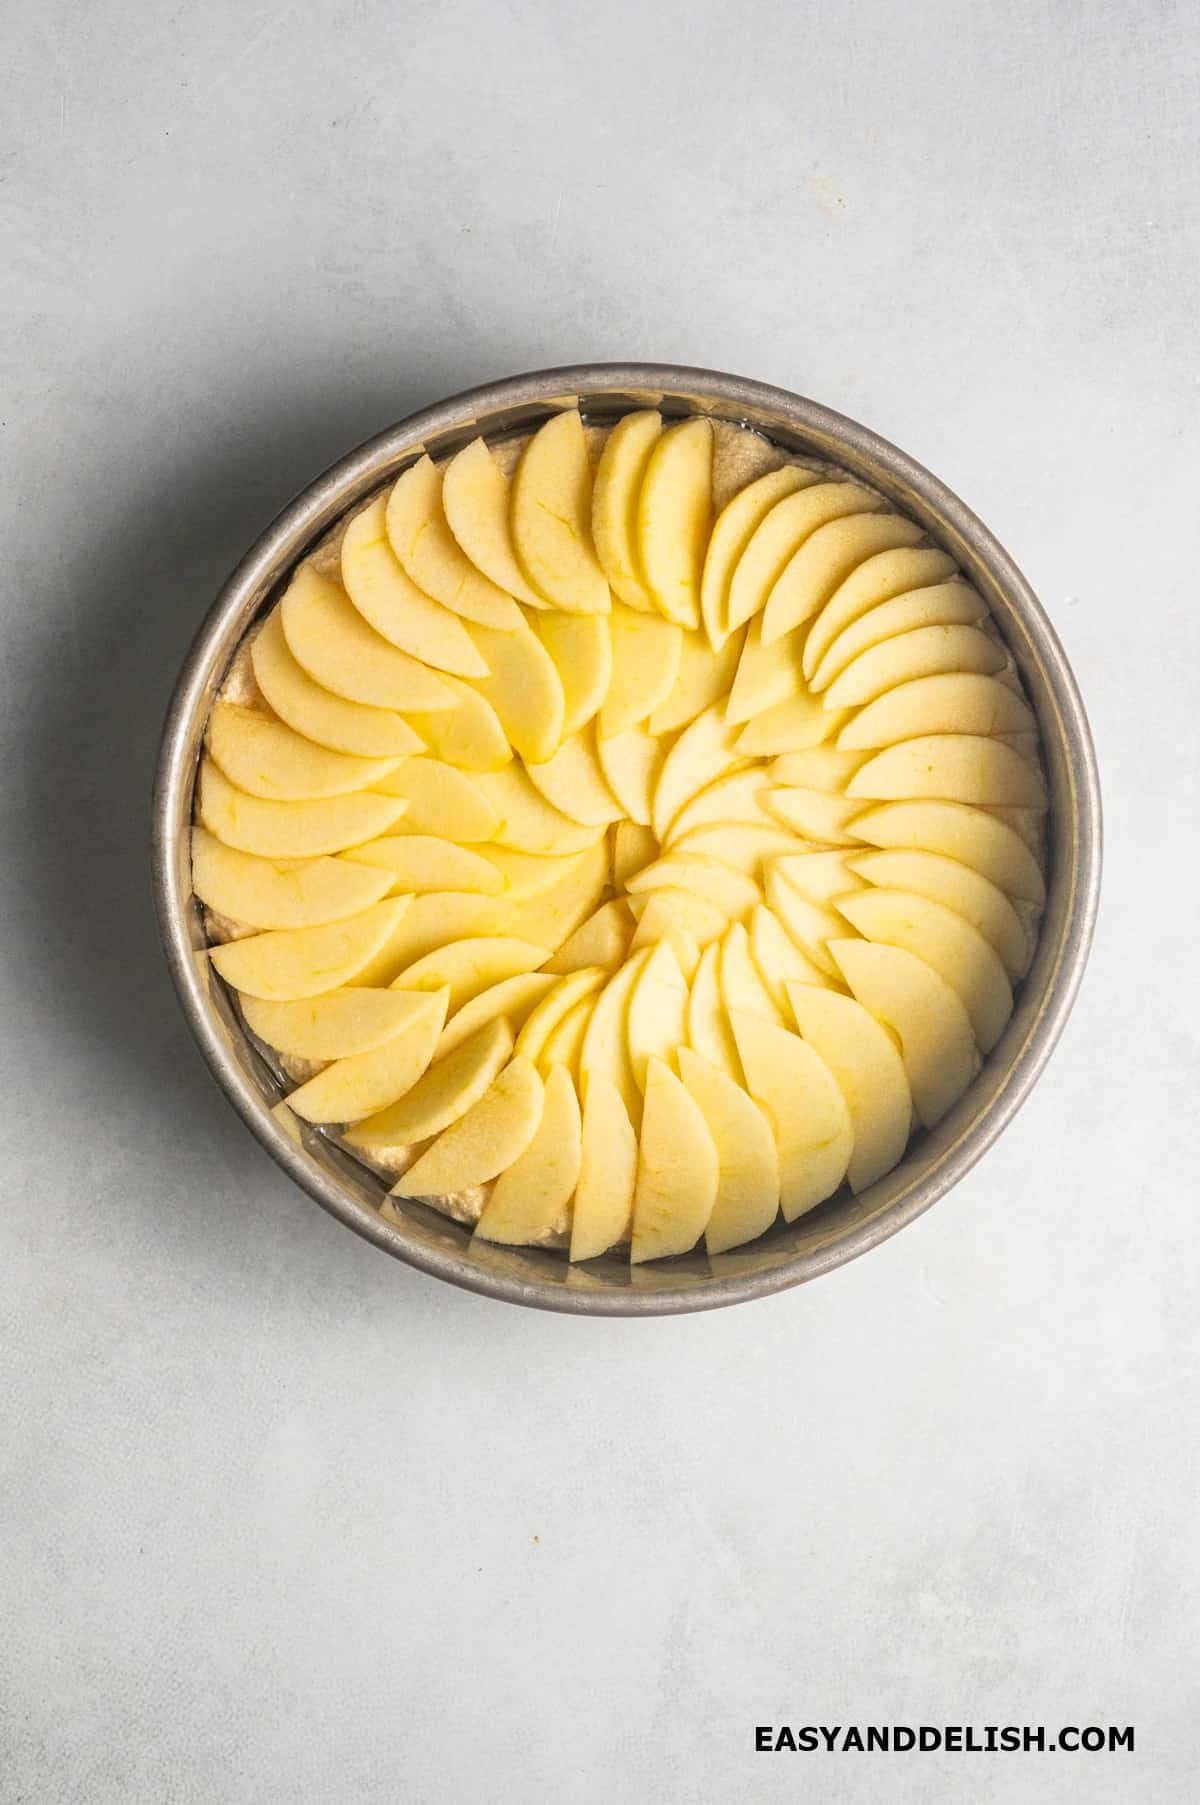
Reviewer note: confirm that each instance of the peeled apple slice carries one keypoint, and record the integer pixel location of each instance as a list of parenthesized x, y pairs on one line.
[(748, 1184), (475, 500), (978, 838), (632, 764), (603, 1209), (317, 713), (925, 652), (936, 605), (950, 767), (619, 477), (554, 1007), (441, 1096), (331, 641), (678, 1170), (291, 830), (967, 892), (952, 702), (868, 1071), (512, 999), (828, 556), (532, 1193), (275, 893), (469, 735), (388, 599), (708, 1029), (465, 967), (704, 678), (737, 797), (606, 1043), (805, 1108), (789, 726), (732, 891), (730, 536), (645, 663), (665, 914), (302, 962), (634, 845), (766, 674), (674, 512), (877, 580), (358, 1085), (945, 940), (601, 941), (441, 800), (655, 1024), (524, 689), (485, 1140), (421, 539), (551, 515), (816, 814), (417, 862), (780, 534), (580, 646), (777, 958), (927, 1017), (573, 782), (742, 984), (528, 822), (336, 1025), (703, 751)]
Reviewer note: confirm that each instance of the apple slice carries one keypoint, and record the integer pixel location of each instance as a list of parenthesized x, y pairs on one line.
[(937, 605), (603, 1210), (678, 1171), (781, 533), (975, 836), (526, 875), (809, 924), (790, 726), (469, 735), (532, 1193), (420, 537), (444, 1093), (602, 940), (564, 1044), (958, 887), (825, 560), (466, 967), (580, 646), (634, 845), (670, 912), (475, 501), (747, 1200), (632, 765), (777, 958), (730, 536), (429, 922), (513, 999), (646, 650), (418, 862), (925, 652), (524, 689), (742, 844), (362, 1083), (803, 1105), (291, 830), (554, 915), (619, 477), (661, 920), (735, 798), (555, 1006), (703, 751), (655, 1022), (879, 579), (827, 768), (270, 893), (606, 1043), (332, 643), (816, 815), (742, 985), (950, 767), (953, 702), (704, 678), (674, 513), (483, 1140), (926, 1016), (388, 599), (766, 674), (708, 1029), (317, 713), (821, 876), (868, 1071), (574, 783), (302, 962), (957, 951), (732, 891), (441, 801), (528, 822), (551, 518), (336, 1025)]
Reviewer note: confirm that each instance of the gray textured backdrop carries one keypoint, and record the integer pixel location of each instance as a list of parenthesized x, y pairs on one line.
[(282, 1521)]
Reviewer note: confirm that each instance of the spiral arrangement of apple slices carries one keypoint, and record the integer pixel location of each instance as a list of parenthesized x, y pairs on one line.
[(615, 849)]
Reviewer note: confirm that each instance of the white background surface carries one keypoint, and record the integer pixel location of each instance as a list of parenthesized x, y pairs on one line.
[(283, 1521)]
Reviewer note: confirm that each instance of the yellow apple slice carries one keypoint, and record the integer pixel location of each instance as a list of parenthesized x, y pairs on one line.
[(528, 822), (483, 1140), (678, 1171), (443, 1094), (422, 540), (524, 689), (742, 985), (958, 887), (606, 1043), (419, 862), (675, 909), (531, 1195), (555, 1006), (953, 702), (878, 579), (790, 726), (704, 750), (580, 646), (634, 845), (704, 678), (777, 958), (475, 500), (809, 924), (926, 1016), (742, 844), (925, 652), (607, 1171), (805, 1108), (736, 797), (551, 518), (674, 514), (332, 643), (553, 916), (336, 1025), (656, 1020), (730, 536), (275, 893), (663, 920), (468, 735), (291, 830), (465, 967), (708, 1029), (432, 920), (976, 837), (826, 768), (601, 941), (816, 814), (957, 951), (526, 875), (441, 800), (732, 891), (953, 604), (317, 713), (513, 999), (362, 1083), (390, 602), (780, 534), (748, 1184), (821, 876), (825, 560), (766, 674), (868, 1071), (646, 650), (619, 477), (950, 767), (632, 765), (573, 782), (565, 1043), (302, 962)]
